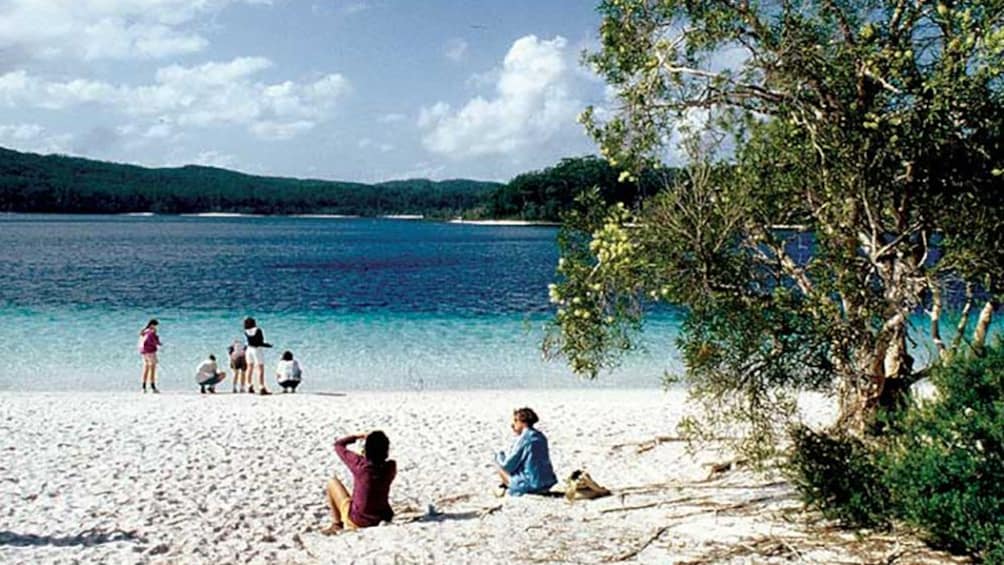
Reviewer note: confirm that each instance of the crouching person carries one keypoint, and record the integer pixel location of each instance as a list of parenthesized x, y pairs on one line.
[(208, 375), (288, 372), (526, 469), (372, 474)]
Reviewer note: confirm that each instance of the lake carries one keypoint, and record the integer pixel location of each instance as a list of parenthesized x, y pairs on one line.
[(363, 303)]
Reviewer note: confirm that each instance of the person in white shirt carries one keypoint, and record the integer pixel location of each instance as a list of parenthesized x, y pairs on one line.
[(208, 375), (288, 372)]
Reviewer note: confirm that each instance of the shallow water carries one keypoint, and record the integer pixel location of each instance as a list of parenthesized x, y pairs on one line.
[(373, 304)]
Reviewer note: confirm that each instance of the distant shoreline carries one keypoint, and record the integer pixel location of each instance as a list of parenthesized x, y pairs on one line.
[(503, 222), (410, 217)]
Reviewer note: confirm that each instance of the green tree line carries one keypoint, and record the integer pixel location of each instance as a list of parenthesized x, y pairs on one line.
[(62, 184)]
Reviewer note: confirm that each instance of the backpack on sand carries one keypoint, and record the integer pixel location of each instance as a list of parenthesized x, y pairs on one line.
[(579, 485)]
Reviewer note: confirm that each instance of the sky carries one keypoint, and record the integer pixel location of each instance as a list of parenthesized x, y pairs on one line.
[(362, 90)]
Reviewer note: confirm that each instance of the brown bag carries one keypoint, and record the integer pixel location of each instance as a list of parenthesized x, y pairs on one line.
[(579, 485)]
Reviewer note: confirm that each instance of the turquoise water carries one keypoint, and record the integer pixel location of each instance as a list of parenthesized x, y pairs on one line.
[(364, 304)]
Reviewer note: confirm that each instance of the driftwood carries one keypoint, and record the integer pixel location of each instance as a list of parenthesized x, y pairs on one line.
[(634, 552), (724, 467), (649, 505)]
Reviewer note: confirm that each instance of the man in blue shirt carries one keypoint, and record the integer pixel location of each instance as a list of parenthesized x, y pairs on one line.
[(527, 468)]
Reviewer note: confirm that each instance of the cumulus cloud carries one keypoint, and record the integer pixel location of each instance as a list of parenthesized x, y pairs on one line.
[(533, 99), (105, 29), (215, 93), (33, 138)]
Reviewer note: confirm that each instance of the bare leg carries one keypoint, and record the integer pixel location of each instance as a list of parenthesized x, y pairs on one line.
[(337, 496), (153, 376), (261, 378), (504, 476)]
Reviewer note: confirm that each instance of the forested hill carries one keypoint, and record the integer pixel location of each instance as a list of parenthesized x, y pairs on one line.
[(55, 183)]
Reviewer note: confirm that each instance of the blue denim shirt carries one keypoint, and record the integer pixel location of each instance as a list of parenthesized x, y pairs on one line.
[(528, 464)]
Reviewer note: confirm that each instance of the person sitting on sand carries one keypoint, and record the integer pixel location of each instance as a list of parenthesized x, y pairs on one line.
[(288, 372), (372, 474), (255, 355), (527, 469), (239, 365), (208, 375)]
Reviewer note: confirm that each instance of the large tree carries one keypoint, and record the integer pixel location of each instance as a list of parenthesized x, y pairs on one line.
[(870, 129)]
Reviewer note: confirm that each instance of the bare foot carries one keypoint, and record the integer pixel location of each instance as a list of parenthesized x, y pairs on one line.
[(332, 530)]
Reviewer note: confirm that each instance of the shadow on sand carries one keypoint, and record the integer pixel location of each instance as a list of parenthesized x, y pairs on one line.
[(85, 538)]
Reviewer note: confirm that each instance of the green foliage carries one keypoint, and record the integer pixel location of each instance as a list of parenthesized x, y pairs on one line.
[(34, 183), (937, 467), (547, 194), (839, 476), (873, 128), (945, 464)]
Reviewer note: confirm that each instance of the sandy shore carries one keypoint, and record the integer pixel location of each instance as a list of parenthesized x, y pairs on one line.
[(503, 222), (184, 478)]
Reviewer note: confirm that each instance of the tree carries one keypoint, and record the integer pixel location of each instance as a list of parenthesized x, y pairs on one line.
[(869, 130)]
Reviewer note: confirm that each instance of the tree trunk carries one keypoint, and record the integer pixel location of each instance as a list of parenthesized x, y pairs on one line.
[(936, 321), (982, 325)]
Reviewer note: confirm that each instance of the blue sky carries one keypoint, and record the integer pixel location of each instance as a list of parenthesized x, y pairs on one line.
[(341, 89)]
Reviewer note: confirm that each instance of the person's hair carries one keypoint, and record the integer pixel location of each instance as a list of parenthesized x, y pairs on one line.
[(526, 415), (249, 323), (212, 357), (287, 355), (377, 447), (152, 323)]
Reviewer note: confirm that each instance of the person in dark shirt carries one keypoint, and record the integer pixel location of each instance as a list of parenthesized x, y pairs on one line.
[(372, 474)]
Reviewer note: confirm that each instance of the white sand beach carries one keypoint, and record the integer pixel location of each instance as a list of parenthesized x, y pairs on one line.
[(184, 478), (502, 222)]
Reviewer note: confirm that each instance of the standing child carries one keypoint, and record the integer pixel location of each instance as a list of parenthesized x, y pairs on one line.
[(288, 372), (149, 342), (239, 365)]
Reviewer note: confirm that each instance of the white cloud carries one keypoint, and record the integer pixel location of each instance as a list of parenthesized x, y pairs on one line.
[(20, 132), (455, 49), (210, 94), (281, 131), (532, 101), (105, 29), (33, 138), (214, 158)]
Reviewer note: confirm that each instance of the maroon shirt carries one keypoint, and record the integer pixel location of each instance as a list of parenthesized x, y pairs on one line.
[(371, 485)]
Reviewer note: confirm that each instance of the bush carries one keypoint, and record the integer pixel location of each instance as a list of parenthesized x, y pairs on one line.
[(838, 475), (945, 464), (938, 466)]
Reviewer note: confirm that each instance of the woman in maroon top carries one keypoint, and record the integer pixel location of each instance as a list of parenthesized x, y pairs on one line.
[(372, 475)]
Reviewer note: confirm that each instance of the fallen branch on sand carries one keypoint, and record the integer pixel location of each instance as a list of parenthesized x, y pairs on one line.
[(724, 467), (648, 445), (703, 502), (649, 505), (634, 552)]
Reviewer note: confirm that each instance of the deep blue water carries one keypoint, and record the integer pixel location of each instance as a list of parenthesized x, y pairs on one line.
[(363, 303)]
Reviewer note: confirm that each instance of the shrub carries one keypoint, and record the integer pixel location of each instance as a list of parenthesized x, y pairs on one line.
[(945, 464), (838, 475)]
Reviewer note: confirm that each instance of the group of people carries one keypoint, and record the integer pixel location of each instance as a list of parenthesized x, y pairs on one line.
[(247, 357), (524, 469)]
